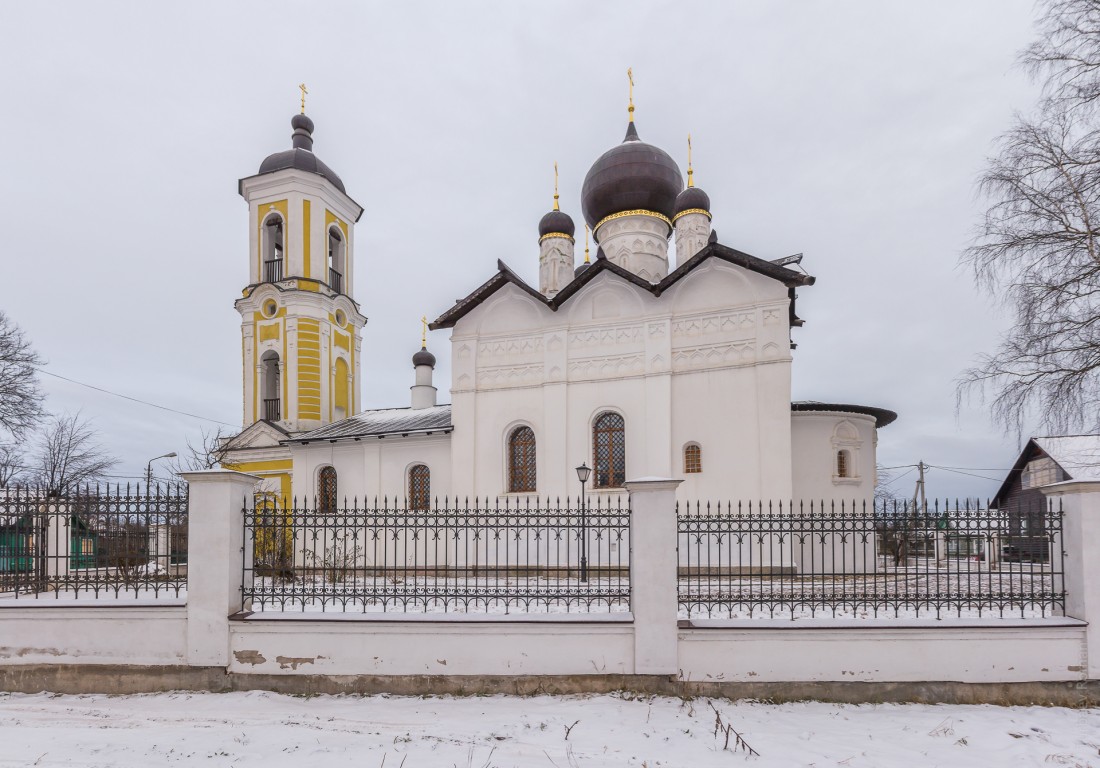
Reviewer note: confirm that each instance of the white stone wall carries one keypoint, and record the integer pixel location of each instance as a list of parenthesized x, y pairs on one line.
[(817, 436), (706, 362), (555, 264), (692, 233), (374, 468)]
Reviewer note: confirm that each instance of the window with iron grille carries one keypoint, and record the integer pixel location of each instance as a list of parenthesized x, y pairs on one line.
[(609, 450), (693, 459), (326, 490), (842, 468), (420, 487), (521, 460)]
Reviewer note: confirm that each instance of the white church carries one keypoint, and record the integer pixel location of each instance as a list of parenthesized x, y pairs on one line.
[(634, 364)]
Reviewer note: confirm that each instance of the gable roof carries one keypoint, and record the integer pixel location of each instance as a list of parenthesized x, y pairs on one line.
[(1077, 455), (248, 437), (381, 423), (505, 275)]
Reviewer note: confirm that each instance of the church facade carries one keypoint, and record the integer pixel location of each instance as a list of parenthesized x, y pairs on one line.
[(648, 361)]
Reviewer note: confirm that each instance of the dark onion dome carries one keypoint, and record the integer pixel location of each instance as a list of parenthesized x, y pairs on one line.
[(301, 156), (556, 223), (424, 357), (692, 199), (633, 176)]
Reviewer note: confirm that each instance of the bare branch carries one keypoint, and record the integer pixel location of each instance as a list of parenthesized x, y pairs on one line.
[(20, 395)]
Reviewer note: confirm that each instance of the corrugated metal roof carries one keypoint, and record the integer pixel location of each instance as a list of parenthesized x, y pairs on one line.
[(386, 421)]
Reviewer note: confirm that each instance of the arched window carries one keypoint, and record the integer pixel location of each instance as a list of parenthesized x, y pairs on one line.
[(521, 460), (336, 250), (420, 487), (843, 461), (693, 459), (273, 248), (609, 450), (326, 490), (269, 385)]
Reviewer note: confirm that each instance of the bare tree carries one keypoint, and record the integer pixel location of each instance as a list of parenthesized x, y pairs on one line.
[(208, 453), (1066, 57), (20, 396), (12, 470), (1038, 246), (69, 455)]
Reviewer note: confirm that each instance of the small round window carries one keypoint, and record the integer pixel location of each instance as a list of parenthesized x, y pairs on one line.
[(270, 308), (341, 318)]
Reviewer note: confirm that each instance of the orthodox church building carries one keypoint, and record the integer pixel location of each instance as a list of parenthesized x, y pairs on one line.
[(634, 363)]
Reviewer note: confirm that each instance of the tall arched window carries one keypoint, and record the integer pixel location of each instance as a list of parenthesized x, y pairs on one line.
[(420, 487), (521, 460), (269, 385), (609, 450), (326, 490), (336, 250), (693, 459), (273, 248)]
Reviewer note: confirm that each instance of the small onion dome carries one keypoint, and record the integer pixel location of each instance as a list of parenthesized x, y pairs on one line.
[(634, 176), (424, 357), (692, 199), (301, 156), (581, 268), (556, 223)]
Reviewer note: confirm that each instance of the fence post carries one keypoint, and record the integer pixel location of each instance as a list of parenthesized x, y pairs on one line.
[(1080, 500), (653, 582), (215, 541)]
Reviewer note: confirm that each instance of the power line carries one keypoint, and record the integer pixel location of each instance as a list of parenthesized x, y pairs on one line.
[(134, 399), (968, 474)]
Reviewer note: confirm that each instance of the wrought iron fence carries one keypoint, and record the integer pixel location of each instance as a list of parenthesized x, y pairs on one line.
[(866, 560), (462, 557), (112, 542)]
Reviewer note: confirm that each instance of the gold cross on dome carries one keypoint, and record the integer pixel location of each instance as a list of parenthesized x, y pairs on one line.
[(424, 333), (630, 77), (302, 88)]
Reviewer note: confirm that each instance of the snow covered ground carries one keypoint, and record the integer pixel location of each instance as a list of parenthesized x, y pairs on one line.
[(266, 729)]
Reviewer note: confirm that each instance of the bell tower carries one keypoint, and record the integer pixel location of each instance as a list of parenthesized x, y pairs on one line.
[(300, 323)]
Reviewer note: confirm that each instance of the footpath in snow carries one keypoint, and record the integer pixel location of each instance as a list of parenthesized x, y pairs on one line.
[(267, 729)]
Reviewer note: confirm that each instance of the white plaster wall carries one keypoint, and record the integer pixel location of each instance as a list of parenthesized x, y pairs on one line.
[(816, 437), (374, 468), (430, 648), (93, 634), (708, 361), (637, 243), (863, 652)]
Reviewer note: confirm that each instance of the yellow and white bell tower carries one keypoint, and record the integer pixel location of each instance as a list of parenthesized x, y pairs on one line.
[(300, 324)]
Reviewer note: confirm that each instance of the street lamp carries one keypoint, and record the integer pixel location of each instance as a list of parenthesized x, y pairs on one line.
[(583, 471), (149, 468)]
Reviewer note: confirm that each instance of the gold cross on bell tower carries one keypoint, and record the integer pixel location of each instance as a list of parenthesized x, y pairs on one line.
[(302, 88), (424, 332)]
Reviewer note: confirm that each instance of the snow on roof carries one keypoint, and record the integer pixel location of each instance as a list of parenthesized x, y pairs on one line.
[(1078, 455), (385, 421)]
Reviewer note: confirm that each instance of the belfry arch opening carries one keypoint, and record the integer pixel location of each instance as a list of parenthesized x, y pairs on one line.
[(269, 386), (337, 257), (273, 248)]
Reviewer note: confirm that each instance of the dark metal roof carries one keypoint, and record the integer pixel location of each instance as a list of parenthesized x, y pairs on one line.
[(504, 275), (882, 416), (382, 423), (557, 221), (631, 176), (692, 198), (424, 357)]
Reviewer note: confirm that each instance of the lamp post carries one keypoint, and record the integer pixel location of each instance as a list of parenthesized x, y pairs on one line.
[(149, 468), (583, 471)]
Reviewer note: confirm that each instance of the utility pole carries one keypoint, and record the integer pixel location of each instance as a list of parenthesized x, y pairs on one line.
[(918, 491)]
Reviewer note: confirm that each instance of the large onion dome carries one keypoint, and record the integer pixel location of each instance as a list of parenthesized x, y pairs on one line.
[(301, 155), (555, 223), (634, 176)]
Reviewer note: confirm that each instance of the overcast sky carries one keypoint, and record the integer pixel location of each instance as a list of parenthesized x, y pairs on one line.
[(849, 131)]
